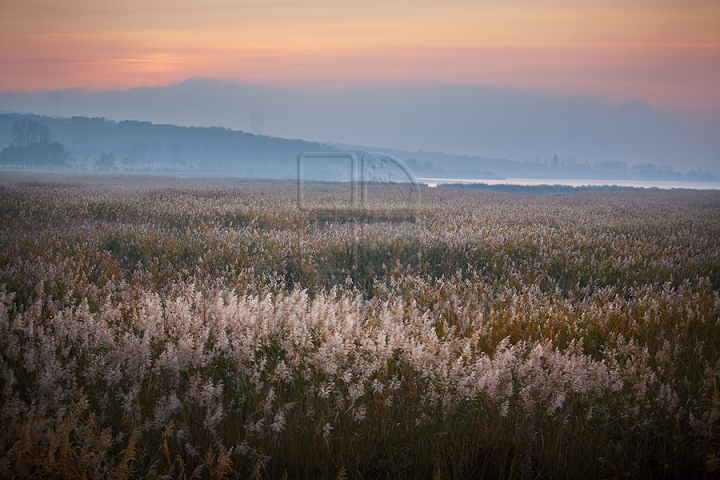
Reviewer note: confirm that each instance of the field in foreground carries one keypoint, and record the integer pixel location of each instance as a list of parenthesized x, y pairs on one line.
[(157, 327)]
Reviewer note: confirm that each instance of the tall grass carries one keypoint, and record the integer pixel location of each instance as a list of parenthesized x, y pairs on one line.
[(170, 329)]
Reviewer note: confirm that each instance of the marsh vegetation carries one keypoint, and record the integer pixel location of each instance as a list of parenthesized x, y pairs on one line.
[(156, 327)]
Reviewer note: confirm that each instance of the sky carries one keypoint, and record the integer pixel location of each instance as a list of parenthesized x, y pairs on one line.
[(663, 53)]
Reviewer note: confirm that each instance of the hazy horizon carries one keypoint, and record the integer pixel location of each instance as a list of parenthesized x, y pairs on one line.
[(493, 122), (635, 82)]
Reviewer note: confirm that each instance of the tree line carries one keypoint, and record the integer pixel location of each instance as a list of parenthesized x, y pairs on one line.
[(33, 147)]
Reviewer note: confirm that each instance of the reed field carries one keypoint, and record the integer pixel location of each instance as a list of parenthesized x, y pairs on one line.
[(158, 327)]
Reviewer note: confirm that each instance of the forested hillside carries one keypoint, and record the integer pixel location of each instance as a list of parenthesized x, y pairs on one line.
[(133, 145)]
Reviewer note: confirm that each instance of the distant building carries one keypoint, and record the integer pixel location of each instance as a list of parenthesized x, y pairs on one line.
[(257, 121)]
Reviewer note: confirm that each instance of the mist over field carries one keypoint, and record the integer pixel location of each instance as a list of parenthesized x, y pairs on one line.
[(481, 121)]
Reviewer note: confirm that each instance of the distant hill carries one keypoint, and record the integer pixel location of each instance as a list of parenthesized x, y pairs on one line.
[(145, 146), (445, 165), (97, 143)]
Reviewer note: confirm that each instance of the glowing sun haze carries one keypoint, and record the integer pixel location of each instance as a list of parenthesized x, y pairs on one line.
[(663, 52)]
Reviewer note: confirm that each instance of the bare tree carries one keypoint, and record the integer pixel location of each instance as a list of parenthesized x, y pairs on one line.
[(43, 134), (26, 132), (22, 132)]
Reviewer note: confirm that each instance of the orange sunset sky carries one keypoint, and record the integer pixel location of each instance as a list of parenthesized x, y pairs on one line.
[(664, 52)]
